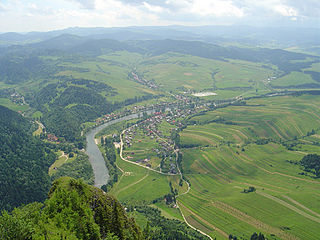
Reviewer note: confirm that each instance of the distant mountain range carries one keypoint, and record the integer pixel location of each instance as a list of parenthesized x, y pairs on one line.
[(246, 35)]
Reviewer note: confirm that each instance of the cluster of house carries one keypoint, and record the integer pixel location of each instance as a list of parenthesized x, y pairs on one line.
[(17, 98), (52, 138), (145, 162), (184, 105), (150, 127), (143, 81)]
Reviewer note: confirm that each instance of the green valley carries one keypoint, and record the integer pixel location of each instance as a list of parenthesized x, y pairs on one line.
[(185, 138)]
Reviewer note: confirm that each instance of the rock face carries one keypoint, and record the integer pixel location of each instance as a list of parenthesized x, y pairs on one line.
[(73, 210)]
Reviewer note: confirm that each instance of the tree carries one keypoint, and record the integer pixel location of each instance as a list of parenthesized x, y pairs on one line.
[(255, 236), (311, 162)]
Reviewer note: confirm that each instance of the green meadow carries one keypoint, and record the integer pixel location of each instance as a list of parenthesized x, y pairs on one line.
[(279, 118), (114, 73), (294, 78), (223, 158), (173, 71), (230, 150), (143, 185), (13, 106)]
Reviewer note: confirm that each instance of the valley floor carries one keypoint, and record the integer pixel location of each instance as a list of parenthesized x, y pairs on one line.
[(241, 162)]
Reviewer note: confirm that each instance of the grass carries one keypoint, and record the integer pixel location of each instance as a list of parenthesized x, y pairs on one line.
[(15, 107), (168, 212), (222, 174), (294, 78), (174, 70), (38, 131), (37, 115), (278, 118), (225, 160), (112, 69), (285, 203), (62, 159), (141, 185), (314, 67)]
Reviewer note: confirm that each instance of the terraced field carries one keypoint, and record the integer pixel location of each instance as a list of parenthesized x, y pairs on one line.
[(280, 118), (225, 159), (143, 185)]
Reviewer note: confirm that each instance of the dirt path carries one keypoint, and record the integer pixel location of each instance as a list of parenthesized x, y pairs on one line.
[(199, 137), (251, 162), (274, 129), (202, 220), (302, 206), (238, 131), (207, 133), (223, 177), (179, 173), (132, 184), (287, 205), (64, 155), (252, 221)]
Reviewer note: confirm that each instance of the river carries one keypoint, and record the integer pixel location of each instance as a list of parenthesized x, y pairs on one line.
[(100, 171)]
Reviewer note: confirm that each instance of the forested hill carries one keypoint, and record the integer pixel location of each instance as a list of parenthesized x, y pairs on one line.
[(74, 210), (24, 162)]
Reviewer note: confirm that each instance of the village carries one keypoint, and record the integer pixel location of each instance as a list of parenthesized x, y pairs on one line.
[(152, 141), (17, 98), (150, 84)]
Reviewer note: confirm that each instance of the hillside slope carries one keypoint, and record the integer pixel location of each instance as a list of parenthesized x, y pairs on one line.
[(73, 210), (24, 162)]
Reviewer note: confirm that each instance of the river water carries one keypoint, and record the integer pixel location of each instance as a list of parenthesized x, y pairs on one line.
[(101, 173)]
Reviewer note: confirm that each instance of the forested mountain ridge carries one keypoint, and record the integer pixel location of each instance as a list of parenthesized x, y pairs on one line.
[(73, 210), (24, 162), (243, 34), (23, 63)]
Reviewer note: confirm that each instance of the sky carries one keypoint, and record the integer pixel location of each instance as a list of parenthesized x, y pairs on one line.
[(46, 15)]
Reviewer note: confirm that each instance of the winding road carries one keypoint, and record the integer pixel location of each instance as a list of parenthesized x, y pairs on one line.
[(101, 173)]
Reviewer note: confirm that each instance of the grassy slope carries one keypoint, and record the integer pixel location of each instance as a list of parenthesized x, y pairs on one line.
[(13, 106), (294, 78), (285, 203), (142, 185), (174, 70)]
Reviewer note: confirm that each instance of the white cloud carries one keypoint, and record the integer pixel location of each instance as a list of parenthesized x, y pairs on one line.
[(26, 15), (152, 8), (217, 8), (285, 10)]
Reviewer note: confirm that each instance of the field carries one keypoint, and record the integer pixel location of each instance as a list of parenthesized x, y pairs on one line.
[(225, 157), (294, 78), (13, 106), (278, 118), (227, 152), (171, 72), (62, 159), (239, 160), (143, 151), (176, 71), (143, 185)]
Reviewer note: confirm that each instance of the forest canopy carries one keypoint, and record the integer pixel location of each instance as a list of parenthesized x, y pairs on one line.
[(24, 162)]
